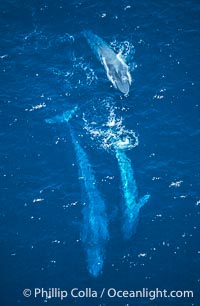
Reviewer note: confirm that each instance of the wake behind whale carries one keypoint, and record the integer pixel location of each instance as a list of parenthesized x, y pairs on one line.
[(116, 69)]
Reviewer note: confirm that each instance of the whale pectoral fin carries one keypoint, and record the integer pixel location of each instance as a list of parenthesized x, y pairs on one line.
[(143, 200), (63, 118), (130, 225)]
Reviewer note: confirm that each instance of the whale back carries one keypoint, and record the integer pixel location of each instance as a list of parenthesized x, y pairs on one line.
[(96, 43)]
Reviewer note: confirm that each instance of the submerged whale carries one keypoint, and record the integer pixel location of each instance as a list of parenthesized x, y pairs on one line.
[(95, 228), (116, 69), (132, 202)]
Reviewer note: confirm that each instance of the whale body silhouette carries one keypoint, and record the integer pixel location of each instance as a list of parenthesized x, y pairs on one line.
[(95, 224), (116, 69), (132, 203), (95, 227)]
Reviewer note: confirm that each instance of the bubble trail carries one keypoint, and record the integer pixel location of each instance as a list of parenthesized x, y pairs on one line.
[(130, 192), (95, 225)]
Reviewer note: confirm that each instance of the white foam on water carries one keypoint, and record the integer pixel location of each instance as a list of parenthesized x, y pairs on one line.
[(111, 135)]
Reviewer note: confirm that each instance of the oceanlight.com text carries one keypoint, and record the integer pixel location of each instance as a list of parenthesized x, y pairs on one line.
[(111, 293)]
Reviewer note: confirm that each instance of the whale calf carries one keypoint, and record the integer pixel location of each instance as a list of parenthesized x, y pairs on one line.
[(116, 69)]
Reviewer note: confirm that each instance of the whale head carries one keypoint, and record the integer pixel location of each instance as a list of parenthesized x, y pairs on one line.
[(118, 73)]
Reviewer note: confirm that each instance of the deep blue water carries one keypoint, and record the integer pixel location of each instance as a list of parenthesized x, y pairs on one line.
[(47, 68)]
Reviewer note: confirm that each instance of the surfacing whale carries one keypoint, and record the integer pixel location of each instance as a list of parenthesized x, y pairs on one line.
[(116, 69)]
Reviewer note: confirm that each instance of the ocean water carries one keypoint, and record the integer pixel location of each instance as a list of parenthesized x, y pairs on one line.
[(55, 190)]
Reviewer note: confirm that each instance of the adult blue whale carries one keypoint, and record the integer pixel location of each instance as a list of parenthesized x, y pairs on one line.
[(116, 69)]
